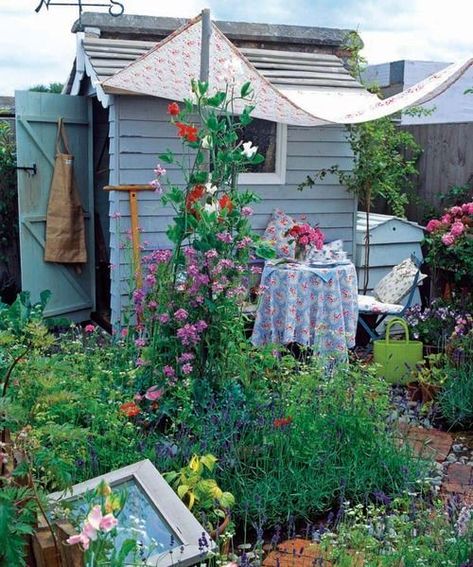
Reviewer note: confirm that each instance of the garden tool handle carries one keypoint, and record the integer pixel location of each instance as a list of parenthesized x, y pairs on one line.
[(397, 321)]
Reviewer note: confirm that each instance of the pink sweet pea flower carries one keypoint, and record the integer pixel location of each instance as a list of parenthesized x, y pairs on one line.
[(79, 538), (108, 522), (94, 518), (153, 393)]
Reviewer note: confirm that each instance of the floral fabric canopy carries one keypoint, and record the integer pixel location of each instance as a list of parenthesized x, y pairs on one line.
[(166, 71)]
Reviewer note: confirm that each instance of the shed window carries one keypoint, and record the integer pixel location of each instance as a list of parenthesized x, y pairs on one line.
[(271, 141)]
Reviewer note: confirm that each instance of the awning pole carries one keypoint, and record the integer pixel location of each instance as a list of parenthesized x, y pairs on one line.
[(205, 47)]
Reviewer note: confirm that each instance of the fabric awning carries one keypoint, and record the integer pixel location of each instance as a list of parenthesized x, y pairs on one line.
[(166, 71)]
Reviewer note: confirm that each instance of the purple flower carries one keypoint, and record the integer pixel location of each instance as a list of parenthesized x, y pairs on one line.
[(187, 368), (169, 371), (244, 242), (160, 170), (211, 254), (188, 334), (140, 342), (201, 326), (164, 318), (181, 314), (225, 237), (186, 357)]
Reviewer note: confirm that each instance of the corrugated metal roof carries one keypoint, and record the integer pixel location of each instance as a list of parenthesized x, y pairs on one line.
[(377, 219), (282, 68)]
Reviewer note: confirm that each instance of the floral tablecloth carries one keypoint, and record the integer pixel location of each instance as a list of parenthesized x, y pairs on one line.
[(313, 306)]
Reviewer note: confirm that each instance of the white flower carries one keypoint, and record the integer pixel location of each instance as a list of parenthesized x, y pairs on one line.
[(211, 207), (207, 142), (249, 150), (211, 189)]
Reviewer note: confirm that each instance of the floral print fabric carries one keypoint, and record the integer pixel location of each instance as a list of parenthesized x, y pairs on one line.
[(397, 284), (317, 307), (369, 304), (275, 234)]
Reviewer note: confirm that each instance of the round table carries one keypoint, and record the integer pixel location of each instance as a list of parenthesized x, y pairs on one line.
[(316, 306)]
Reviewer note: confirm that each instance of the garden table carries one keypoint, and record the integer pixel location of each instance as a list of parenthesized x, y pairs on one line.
[(312, 305)]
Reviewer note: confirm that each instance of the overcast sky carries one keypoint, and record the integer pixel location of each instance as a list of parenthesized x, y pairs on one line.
[(39, 48)]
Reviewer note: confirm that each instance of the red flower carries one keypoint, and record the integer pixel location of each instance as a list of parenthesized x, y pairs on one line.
[(282, 421), (295, 230), (194, 195), (189, 133), (130, 409), (173, 109), (226, 203)]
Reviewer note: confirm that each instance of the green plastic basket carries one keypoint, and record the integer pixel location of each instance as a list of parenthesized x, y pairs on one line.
[(397, 358)]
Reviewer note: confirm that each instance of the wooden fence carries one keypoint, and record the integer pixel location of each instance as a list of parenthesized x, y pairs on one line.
[(447, 160)]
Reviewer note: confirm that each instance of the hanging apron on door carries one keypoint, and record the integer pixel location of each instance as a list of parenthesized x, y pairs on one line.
[(65, 226)]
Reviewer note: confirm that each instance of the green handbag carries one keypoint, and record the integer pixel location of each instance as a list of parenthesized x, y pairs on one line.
[(397, 358)]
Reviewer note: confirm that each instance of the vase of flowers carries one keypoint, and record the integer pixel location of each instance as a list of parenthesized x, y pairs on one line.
[(305, 237)]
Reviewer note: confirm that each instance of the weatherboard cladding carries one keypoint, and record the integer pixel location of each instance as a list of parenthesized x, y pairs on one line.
[(140, 131)]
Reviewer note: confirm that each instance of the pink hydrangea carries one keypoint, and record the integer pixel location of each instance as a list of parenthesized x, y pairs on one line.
[(448, 239), (433, 225), (457, 229)]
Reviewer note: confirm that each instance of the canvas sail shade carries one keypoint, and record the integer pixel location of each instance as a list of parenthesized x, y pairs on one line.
[(166, 71)]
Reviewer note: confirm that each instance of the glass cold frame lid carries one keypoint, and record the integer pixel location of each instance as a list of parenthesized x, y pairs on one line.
[(138, 520)]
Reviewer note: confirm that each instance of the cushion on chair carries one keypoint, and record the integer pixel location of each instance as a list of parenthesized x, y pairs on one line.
[(275, 232), (369, 304), (331, 252), (397, 284)]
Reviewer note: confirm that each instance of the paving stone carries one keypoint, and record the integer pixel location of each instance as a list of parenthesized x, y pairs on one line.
[(429, 443), (302, 553)]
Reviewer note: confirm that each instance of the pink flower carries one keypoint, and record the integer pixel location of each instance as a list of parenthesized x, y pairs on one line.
[(152, 305), (169, 371), (89, 328), (140, 342), (108, 522), (201, 326), (164, 318), (211, 254), (433, 225), (181, 314), (140, 362), (79, 538), (94, 518), (225, 237), (247, 211), (304, 240), (124, 332), (457, 228), (244, 242), (153, 393), (446, 219), (187, 368), (256, 269), (456, 211), (137, 397), (186, 357), (467, 208), (448, 239)]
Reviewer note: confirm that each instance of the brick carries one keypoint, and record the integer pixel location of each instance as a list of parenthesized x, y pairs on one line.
[(427, 443)]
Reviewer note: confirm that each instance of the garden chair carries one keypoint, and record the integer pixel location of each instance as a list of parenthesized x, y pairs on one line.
[(403, 280)]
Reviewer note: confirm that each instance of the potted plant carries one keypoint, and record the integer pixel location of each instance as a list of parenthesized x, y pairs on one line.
[(431, 376), (305, 237)]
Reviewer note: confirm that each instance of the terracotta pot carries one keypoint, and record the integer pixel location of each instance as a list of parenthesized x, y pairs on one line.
[(214, 534)]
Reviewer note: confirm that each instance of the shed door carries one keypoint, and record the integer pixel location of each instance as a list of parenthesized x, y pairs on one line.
[(36, 125)]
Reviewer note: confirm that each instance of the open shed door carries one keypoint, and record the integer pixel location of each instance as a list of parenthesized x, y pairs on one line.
[(36, 126)]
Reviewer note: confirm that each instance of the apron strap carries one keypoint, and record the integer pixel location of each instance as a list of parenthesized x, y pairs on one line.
[(61, 136)]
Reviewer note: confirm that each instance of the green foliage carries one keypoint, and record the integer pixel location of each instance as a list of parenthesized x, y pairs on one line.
[(8, 188), (401, 533), (17, 520), (201, 494), (456, 399), (53, 88)]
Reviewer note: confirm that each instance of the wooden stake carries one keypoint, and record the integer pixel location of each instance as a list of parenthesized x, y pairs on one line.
[(133, 191)]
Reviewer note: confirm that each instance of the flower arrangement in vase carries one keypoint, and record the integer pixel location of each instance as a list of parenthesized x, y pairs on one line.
[(305, 237)]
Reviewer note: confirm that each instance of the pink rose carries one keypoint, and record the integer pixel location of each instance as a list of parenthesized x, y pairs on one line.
[(448, 239), (457, 228), (456, 211), (89, 328), (446, 219), (433, 225), (304, 240)]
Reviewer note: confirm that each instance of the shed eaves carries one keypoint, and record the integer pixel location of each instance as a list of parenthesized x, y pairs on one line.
[(282, 68)]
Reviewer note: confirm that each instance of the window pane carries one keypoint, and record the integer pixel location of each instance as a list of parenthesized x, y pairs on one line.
[(262, 133)]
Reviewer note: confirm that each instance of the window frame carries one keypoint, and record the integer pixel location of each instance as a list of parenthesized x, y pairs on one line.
[(278, 177)]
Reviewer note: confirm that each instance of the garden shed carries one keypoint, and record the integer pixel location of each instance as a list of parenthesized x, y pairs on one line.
[(127, 133), (392, 240), (126, 71)]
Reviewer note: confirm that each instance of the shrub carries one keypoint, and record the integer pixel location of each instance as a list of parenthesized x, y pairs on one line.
[(456, 399)]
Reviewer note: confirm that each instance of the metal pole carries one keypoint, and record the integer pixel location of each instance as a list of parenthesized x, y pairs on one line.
[(205, 47)]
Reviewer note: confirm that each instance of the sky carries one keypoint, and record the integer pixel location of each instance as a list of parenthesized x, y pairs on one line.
[(39, 48)]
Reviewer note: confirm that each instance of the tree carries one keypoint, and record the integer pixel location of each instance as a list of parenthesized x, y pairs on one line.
[(383, 163), (54, 88)]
